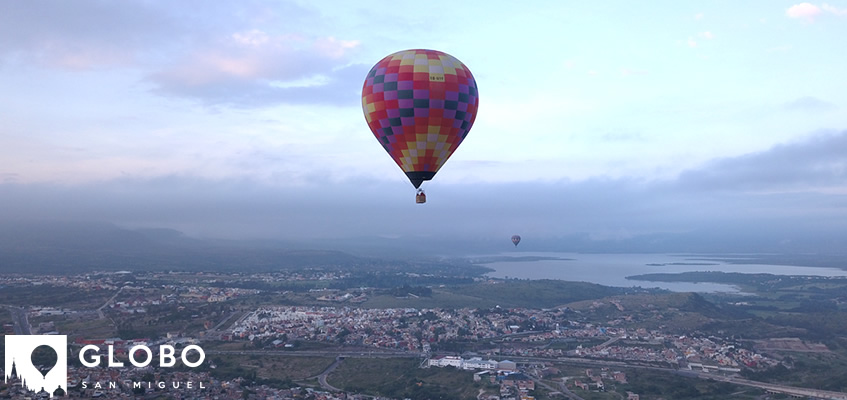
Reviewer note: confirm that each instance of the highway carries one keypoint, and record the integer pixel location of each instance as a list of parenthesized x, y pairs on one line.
[(326, 372), (790, 390), (215, 333), (20, 320), (111, 299)]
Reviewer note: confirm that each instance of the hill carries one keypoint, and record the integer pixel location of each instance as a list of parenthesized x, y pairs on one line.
[(74, 247), (536, 293)]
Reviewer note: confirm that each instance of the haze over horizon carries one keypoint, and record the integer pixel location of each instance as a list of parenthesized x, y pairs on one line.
[(612, 120)]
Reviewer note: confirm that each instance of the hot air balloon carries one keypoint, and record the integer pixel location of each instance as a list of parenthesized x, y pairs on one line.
[(516, 239), (420, 105)]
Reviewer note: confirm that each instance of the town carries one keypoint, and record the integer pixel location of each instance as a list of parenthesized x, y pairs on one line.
[(596, 345)]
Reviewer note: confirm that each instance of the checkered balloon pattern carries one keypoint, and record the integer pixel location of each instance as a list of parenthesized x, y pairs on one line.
[(420, 105)]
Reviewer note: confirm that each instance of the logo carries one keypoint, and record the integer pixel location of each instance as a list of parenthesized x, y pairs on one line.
[(39, 361)]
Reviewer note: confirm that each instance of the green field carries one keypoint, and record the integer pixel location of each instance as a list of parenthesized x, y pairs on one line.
[(86, 328), (440, 299), (807, 369), (651, 385), (50, 296), (403, 378), (655, 385), (274, 369), (526, 294), (5, 316)]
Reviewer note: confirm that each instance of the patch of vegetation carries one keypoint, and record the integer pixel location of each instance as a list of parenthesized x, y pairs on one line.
[(5, 316), (402, 378), (86, 328), (414, 291), (812, 370), (673, 312), (441, 298), (276, 370), (822, 325), (752, 328), (494, 259), (53, 296), (536, 293), (654, 385)]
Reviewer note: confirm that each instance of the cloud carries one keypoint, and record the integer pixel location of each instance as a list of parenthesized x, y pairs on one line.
[(819, 163), (834, 10), (805, 11), (809, 12), (692, 41), (788, 192), (339, 87), (256, 68), (214, 53), (623, 137), (8, 177), (779, 49), (809, 103), (80, 35), (335, 48), (629, 71)]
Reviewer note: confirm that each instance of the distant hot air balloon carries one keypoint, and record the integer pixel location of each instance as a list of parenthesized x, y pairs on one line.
[(420, 105), (516, 239)]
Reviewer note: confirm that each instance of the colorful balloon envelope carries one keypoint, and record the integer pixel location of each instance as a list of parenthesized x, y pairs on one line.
[(515, 240), (420, 105)]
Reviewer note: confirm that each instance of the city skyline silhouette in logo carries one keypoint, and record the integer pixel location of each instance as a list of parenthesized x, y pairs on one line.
[(23, 351)]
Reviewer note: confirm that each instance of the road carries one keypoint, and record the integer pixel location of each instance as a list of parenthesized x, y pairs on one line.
[(224, 320), (215, 332), (608, 342), (20, 320), (790, 390), (111, 299), (327, 371)]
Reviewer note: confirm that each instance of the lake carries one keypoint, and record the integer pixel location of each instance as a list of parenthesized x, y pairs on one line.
[(612, 269)]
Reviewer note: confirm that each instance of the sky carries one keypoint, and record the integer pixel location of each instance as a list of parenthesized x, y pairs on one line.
[(243, 119)]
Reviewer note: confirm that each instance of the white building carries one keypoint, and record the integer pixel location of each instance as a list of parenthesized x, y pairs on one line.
[(479, 363), (445, 361), (458, 362)]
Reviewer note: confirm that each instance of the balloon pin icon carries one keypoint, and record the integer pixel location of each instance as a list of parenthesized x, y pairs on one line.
[(44, 358)]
